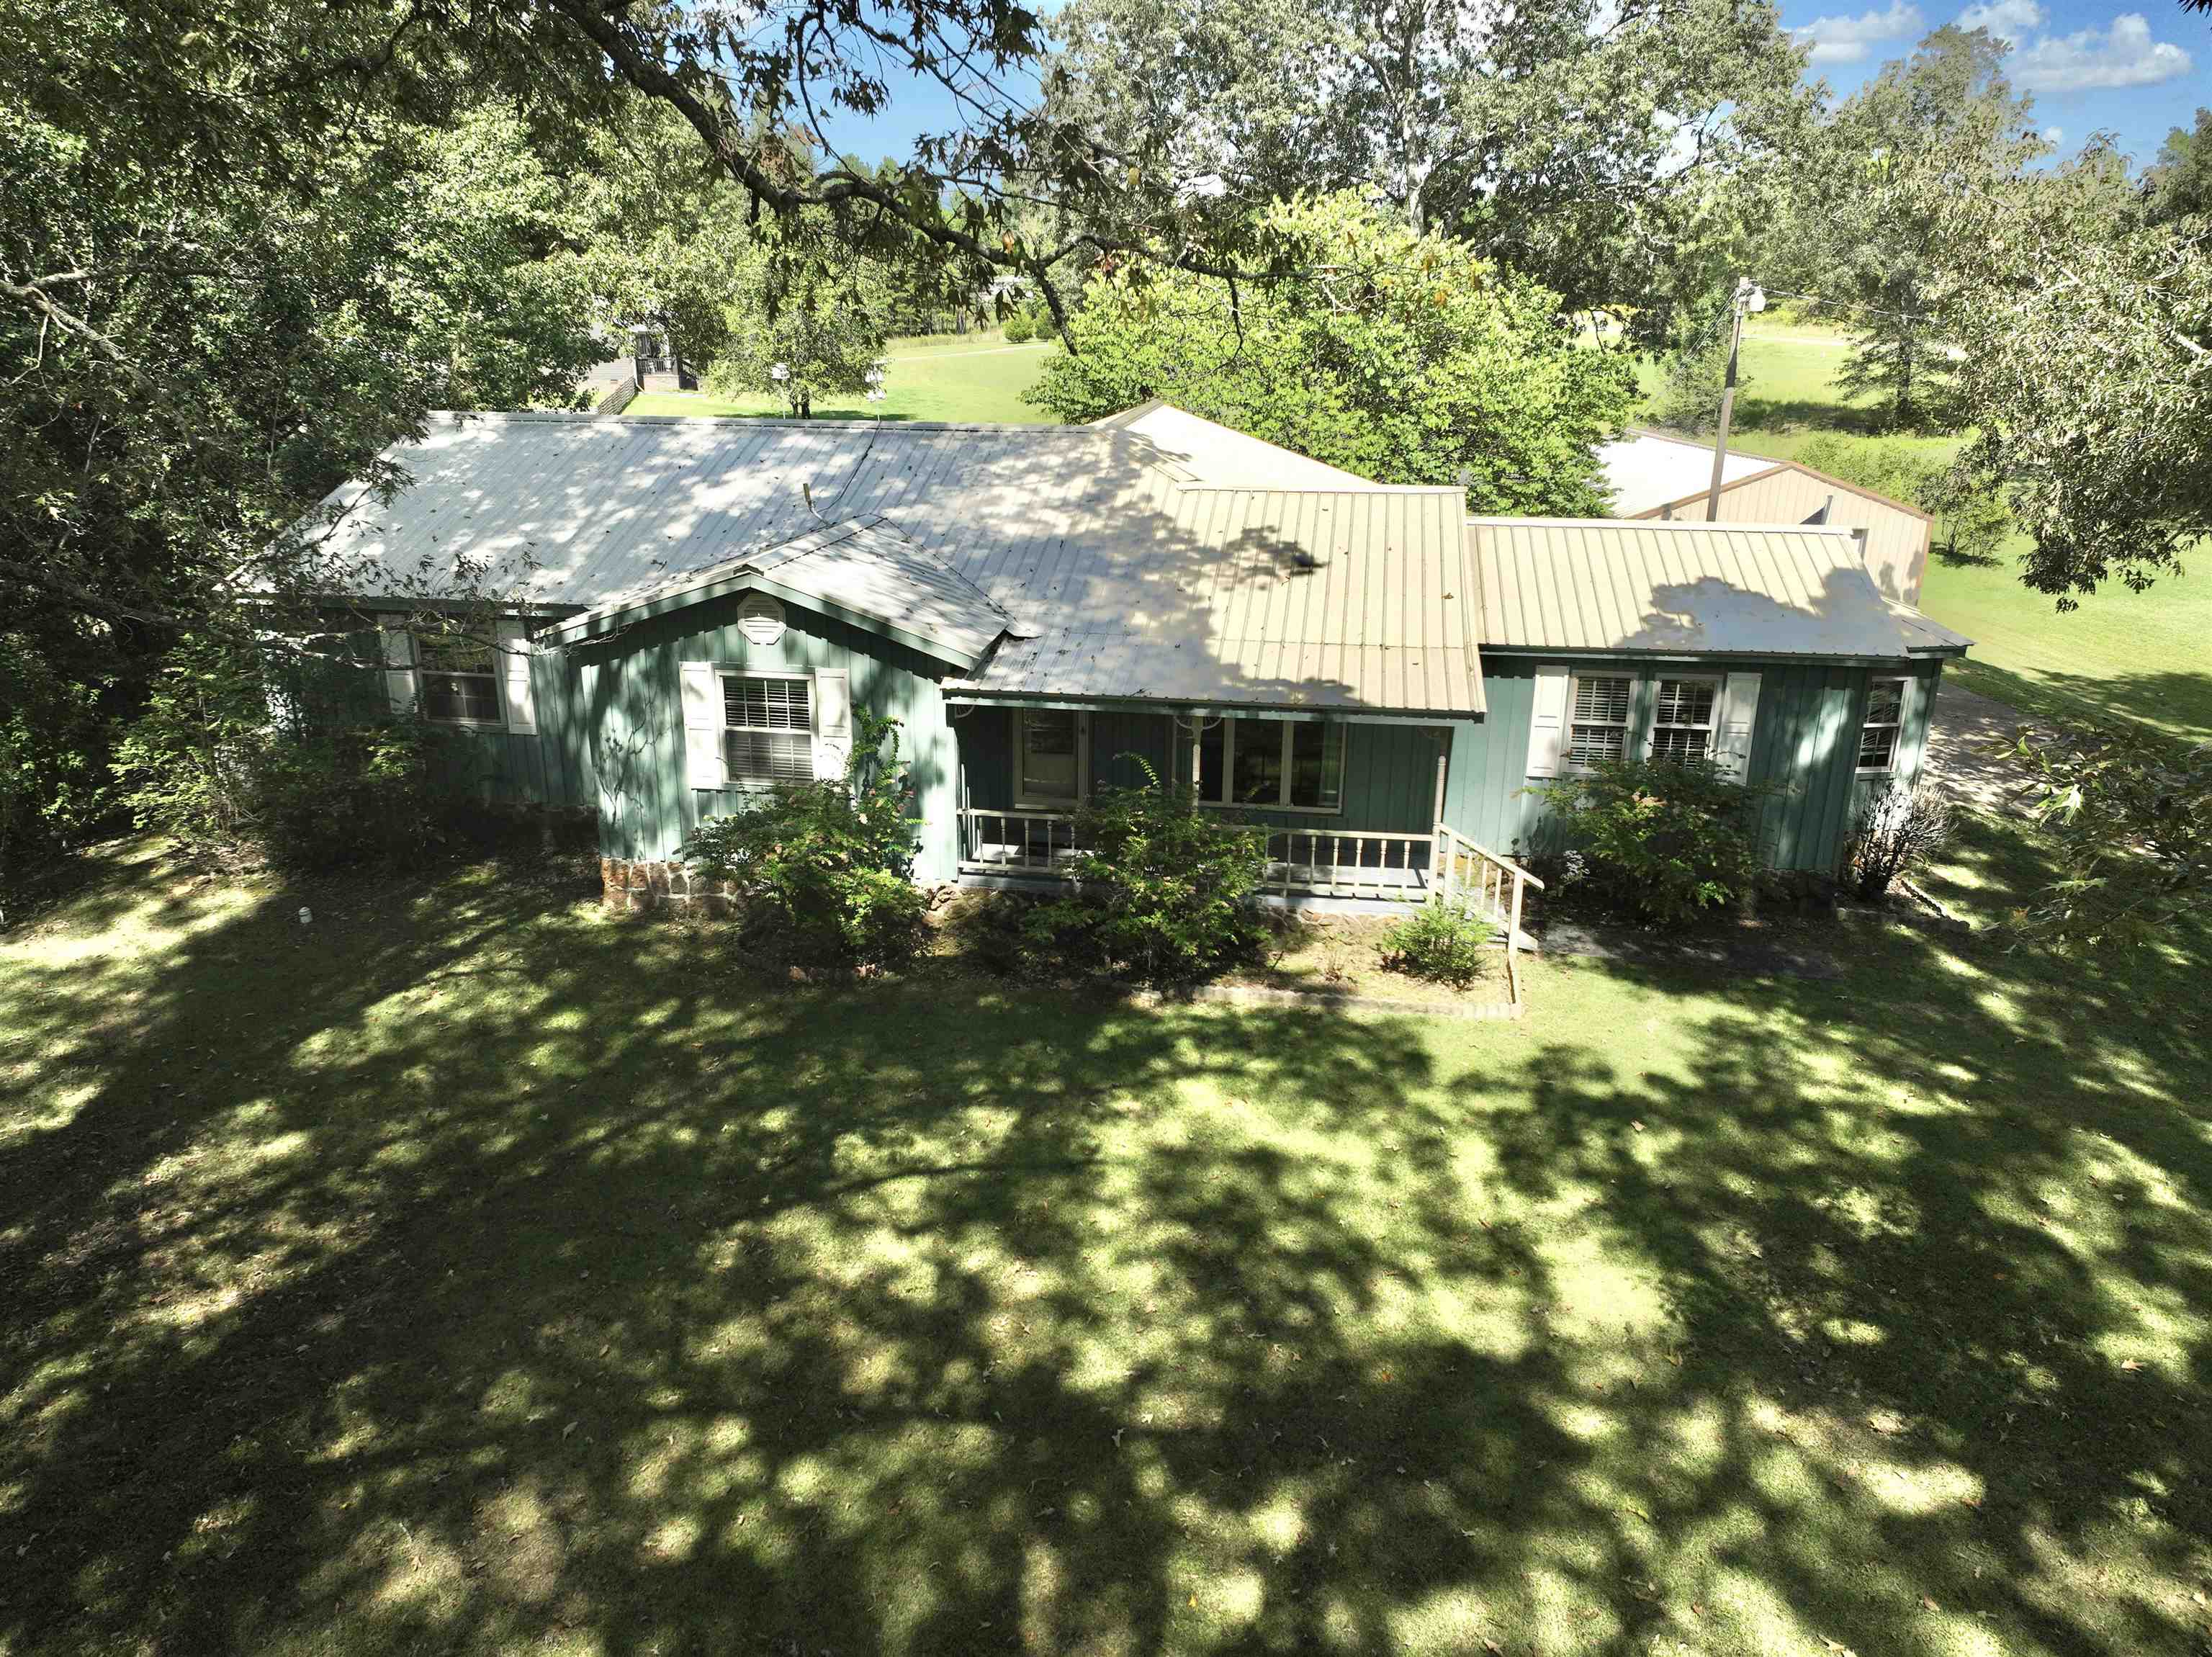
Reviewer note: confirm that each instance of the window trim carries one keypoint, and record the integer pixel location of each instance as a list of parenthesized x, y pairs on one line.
[(1023, 800), (495, 675), (1712, 727), (802, 675), (1571, 766), (1894, 726), (1229, 767)]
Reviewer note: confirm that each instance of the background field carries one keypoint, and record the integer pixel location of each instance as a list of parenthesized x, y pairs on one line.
[(975, 376), (2146, 655)]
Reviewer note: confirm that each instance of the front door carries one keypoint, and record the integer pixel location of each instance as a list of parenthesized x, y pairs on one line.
[(1048, 745)]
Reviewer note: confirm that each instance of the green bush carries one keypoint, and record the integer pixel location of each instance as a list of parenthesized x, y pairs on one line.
[(1660, 840), (1044, 325), (242, 756), (1019, 329), (49, 789), (1445, 942), (1163, 892), (828, 866)]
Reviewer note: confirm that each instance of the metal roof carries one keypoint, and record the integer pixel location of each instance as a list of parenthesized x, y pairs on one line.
[(1325, 598), (1076, 532), (860, 569), (1687, 588), (1647, 470), (1223, 455)]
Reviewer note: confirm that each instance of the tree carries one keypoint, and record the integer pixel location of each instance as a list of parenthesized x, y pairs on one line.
[(1694, 374), (1620, 154), (825, 338), (1865, 236), (2181, 178), (1403, 357), (2085, 365)]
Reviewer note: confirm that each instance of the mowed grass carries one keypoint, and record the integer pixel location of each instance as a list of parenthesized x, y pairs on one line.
[(2146, 656), (466, 1271), (974, 377)]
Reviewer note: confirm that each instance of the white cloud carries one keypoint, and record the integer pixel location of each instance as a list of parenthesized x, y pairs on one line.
[(2009, 19), (2122, 55), (2054, 135), (1845, 40)]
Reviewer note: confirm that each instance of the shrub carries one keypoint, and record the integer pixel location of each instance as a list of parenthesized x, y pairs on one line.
[(1445, 942), (1019, 329), (1897, 827), (1661, 839), (1164, 891), (49, 734), (243, 757), (1044, 325), (830, 865)]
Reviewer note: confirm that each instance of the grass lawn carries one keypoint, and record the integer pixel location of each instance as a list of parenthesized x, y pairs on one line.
[(937, 377), (2144, 654), (465, 1271)]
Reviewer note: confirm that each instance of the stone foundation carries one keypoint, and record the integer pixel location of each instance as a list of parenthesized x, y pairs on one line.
[(630, 885)]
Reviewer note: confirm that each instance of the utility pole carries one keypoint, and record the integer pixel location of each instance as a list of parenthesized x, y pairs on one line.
[(1747, 299)]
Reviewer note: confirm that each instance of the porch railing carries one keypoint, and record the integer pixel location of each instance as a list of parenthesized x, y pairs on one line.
[(1492, 886), (1349, 863), (1442, 866)]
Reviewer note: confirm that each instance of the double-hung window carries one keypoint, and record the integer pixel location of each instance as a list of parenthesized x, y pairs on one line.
[(460, 678), (1682, 718), (1884, 716), (769, 729), (1280, 765), (1598, 728)]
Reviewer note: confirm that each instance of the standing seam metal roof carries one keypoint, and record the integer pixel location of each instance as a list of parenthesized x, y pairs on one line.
[(1328, 597), (1690, 588)]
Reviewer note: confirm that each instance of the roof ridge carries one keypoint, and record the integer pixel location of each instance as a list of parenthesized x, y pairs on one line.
[(875, 520)]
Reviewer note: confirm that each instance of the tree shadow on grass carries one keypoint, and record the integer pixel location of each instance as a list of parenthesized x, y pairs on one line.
[(465, 1271)]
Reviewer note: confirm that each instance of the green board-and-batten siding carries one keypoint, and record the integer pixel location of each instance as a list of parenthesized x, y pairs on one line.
[(1804, 739), (626, 694)]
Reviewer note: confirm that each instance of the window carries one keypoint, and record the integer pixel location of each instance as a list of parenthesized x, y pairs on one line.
[(1598, 728), (1885, 714), (1682, 721), (771, 729), (1276, 764), (1049, 747), (460, 679)]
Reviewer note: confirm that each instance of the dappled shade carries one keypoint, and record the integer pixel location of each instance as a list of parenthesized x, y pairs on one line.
[(463, 1271)]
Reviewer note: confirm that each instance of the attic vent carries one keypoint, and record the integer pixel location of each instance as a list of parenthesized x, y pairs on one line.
[(760, 618)]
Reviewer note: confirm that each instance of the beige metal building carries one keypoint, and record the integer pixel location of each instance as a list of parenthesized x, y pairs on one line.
[(1655, 476)]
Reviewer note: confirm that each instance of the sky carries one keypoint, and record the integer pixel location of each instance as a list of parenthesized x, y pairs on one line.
[(2092, 65)]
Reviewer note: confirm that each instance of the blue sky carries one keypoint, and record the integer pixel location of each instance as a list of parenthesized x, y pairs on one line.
[(2135, 68)]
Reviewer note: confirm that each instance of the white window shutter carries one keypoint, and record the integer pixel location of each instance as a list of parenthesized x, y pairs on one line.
[(1547, 722), (833, 722), (1912, 709), (705, 764), (399, 680), (1739, 717), (514, 652)]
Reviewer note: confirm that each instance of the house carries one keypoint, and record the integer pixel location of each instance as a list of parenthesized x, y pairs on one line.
[(1650, 474), (692, 609)]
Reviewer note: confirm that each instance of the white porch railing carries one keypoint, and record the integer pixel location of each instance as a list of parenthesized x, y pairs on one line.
[(1441, 865), (1491, 885), (1349, 863)]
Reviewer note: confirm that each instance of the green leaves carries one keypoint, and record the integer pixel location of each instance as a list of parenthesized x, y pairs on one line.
[(1404, 358)]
